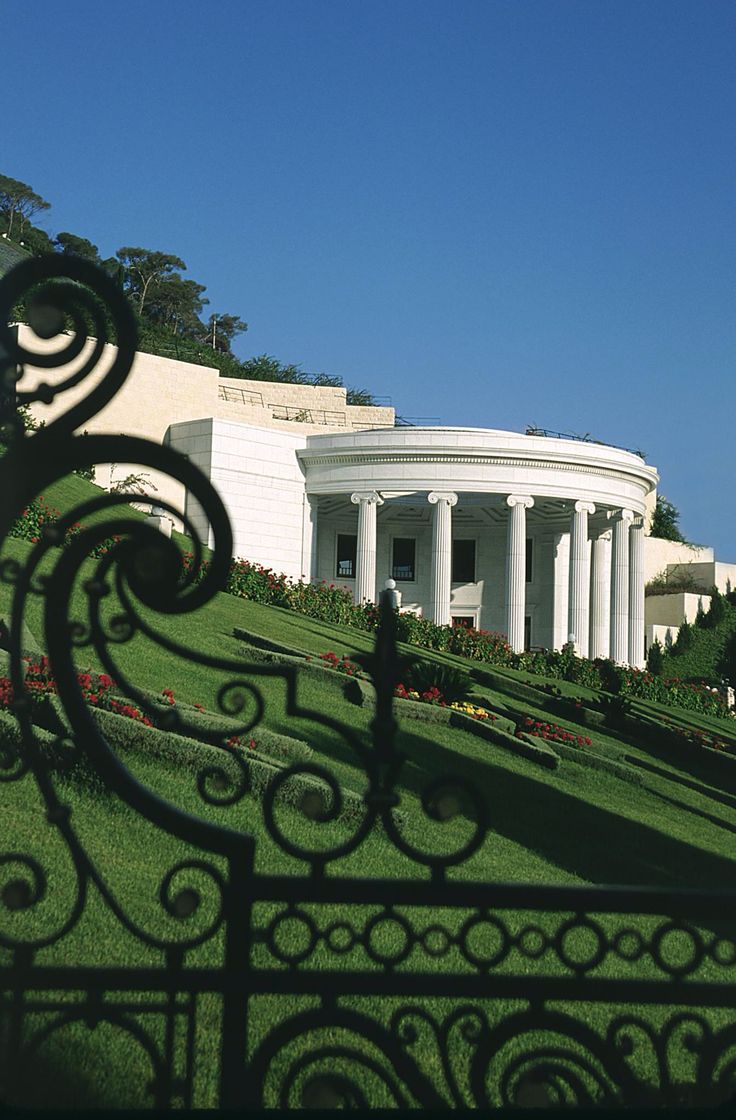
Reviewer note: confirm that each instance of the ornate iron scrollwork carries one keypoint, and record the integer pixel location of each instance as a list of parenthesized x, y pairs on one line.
[(425, 991)]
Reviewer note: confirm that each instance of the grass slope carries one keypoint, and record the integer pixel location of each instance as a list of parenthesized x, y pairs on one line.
[(650, 820), (703, 659)]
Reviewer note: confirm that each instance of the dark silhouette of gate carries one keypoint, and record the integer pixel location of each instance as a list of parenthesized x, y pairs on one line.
[(428, 990)]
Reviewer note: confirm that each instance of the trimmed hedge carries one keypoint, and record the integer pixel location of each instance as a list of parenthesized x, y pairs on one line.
[(512, 687), (266, 644), (597, 761)]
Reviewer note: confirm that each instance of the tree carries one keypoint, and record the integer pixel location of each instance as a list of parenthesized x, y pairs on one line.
[(222, 329), (665, 522), (684, 639), (727, 661), (655, 658), (717, 610), (145, 268), (73, 246), (18, 204), (177, 304)]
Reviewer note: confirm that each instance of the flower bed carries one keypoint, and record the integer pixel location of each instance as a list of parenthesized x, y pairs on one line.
[(340, 664), (552, 733), (97, 689)]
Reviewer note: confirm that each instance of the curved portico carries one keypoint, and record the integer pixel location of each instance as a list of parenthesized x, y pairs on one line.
[(505, 531)]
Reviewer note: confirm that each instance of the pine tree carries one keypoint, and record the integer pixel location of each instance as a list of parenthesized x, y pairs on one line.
[(717, 610), (684, 638), (655, 659)]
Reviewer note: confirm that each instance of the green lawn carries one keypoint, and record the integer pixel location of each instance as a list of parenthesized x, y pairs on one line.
[(654, 821)]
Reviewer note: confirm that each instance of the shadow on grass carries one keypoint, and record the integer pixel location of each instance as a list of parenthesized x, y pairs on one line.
[(601, 845), (75, 1073)]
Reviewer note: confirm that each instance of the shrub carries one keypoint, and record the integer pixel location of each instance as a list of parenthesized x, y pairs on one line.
[(727, 661), (453, 685), (262, 585), (717, 610), (655, 659), (33, 520), (684, 640), (562, 665)]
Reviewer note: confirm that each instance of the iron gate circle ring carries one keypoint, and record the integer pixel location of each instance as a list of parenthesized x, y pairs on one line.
[(390, 959), (471, 955)]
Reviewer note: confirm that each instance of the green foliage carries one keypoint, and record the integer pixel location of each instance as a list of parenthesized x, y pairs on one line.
[(145, 270), (222, 329), (18, 204), (265, 367), (478, 645), (561, 664), (727, 660), (73, 246), (176, 304), (700, 613), (717, 611), (262, 585), (452, 683), (662, 584), (684, 639), (665, 521), (701, 654), (655, 659), (37, 517)]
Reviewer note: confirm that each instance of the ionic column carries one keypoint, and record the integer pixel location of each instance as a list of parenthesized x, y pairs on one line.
[(619, 651), (365, 561), (577, 609), (516, 570), (636, 595), (439, 598), (600, 596)]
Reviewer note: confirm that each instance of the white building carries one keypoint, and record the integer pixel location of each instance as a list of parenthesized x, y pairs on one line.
[(539, 538)]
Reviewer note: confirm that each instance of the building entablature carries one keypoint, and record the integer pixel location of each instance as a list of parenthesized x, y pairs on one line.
[(479, 464)]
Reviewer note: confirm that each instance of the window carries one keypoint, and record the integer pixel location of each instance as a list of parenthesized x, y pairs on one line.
[(347, 550), (466, 620), (529, 555), (527, 632), (403, 563), (463, 561)]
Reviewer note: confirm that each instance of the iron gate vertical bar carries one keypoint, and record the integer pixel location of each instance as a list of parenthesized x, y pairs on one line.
[(237, 910)]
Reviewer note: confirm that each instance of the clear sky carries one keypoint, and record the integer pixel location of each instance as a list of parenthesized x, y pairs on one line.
[(498, 213)]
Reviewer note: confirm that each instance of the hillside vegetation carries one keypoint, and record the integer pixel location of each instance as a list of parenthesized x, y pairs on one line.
[(709, 652)]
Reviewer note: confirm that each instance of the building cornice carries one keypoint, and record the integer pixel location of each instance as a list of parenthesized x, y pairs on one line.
[(490, 458)]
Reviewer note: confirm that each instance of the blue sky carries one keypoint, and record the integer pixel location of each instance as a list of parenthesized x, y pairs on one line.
[(496, 213)]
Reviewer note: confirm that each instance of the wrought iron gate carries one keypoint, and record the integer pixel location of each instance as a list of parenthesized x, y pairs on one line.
[(327, 988)]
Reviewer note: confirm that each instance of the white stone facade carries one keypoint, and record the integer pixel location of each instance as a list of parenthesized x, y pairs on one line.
[(494, 529)]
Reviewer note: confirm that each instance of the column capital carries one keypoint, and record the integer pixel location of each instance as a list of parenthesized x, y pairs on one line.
[(603, 535), (366, 496), (524, 500), (621, 515), (584, 507), (436, 496)]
